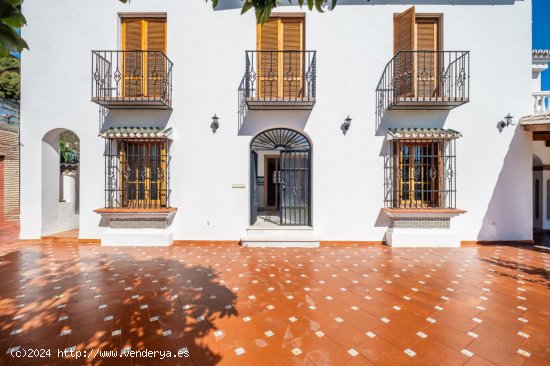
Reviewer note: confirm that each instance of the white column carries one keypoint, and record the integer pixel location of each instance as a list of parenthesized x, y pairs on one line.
[(69, 188)]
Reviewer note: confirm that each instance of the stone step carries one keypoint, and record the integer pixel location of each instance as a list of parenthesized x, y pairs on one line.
[(280, 232), (280, 242)]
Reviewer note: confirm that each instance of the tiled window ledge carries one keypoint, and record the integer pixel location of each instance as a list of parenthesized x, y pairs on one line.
[(136, 219), (430, 227), (428, 212), (136, 210)]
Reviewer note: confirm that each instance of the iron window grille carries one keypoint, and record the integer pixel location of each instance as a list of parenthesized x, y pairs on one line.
[(125, 78), (137, 173), (420, 174)]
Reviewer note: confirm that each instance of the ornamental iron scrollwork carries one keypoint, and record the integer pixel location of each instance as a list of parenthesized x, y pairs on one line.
[(425, 179), (119, 77), (435, 77), (280, 138)]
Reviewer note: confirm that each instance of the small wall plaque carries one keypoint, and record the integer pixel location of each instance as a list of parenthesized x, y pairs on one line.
[(238, 185)]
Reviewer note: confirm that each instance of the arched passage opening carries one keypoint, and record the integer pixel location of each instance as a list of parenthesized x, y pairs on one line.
[(280, 178), (60, 181)]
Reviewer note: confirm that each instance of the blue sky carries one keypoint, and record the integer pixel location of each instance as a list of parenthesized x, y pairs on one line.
[(541, 32)]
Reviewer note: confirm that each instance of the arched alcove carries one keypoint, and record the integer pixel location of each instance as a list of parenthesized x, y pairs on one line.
[(60, 181)]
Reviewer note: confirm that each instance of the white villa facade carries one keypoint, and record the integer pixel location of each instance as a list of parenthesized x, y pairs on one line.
[(375, 122)]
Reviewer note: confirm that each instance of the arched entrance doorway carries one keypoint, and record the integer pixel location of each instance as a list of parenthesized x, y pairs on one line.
[(60, 181), (280, 178)]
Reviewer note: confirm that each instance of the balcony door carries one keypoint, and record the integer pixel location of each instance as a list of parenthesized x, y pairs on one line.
[(427, 61), (280, 58), (143, 61), (416, 42)]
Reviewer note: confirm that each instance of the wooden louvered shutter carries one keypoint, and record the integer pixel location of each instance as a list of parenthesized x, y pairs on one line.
[(156, 34), (132, 60), (403, 31), (426, 69), (268, 62), (132, 35), (403, 40), (269, 35), (292, 83), (156, 62)]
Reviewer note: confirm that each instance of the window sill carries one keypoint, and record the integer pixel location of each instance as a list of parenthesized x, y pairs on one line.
[(162, 210), (423, 212), (137, 218)]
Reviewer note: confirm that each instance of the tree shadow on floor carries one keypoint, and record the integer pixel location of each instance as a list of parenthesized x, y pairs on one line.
[(91, 299), (541, 276)]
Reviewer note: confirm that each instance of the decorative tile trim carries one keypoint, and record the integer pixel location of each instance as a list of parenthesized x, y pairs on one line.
[(139, 223), (421, 223)]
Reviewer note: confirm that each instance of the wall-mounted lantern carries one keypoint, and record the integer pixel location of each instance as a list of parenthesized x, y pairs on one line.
[(215, 123), (508, 120), (346, 125)]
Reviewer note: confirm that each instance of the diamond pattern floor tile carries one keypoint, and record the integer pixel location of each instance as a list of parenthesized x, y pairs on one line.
[(228, 305)]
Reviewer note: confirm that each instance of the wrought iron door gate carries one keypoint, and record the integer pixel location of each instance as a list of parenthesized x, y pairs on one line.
[(253, 187), (295, 187)]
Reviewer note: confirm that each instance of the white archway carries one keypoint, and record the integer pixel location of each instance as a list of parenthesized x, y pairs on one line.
[(60, 182)]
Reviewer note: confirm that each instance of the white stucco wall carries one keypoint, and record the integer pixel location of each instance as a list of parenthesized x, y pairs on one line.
[(353, 45)]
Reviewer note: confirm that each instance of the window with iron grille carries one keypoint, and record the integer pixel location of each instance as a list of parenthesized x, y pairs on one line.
[(137, 173), (420, 173)]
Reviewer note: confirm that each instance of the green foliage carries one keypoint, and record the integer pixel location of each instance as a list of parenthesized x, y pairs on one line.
[(10, 77), (11, 20), (68, 148), (263, 8)]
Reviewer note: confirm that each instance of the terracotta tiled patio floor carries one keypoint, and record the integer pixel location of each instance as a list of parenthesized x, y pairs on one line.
[(9, 235), (227, 305)]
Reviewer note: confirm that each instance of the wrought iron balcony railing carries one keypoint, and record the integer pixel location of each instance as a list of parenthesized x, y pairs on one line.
[(132, 79), (424, 80), (280, 79)]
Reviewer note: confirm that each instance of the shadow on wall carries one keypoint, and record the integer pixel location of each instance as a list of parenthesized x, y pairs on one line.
[(507, 213), (406, 119), (237, 4), (537, 161), (382, 220), (133, 118), (257, 121), (166, 295)]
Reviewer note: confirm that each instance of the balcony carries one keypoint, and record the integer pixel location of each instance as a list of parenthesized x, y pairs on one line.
[(539, 121), (424, 80), (280, 80), (132, 79), (541, 103)]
